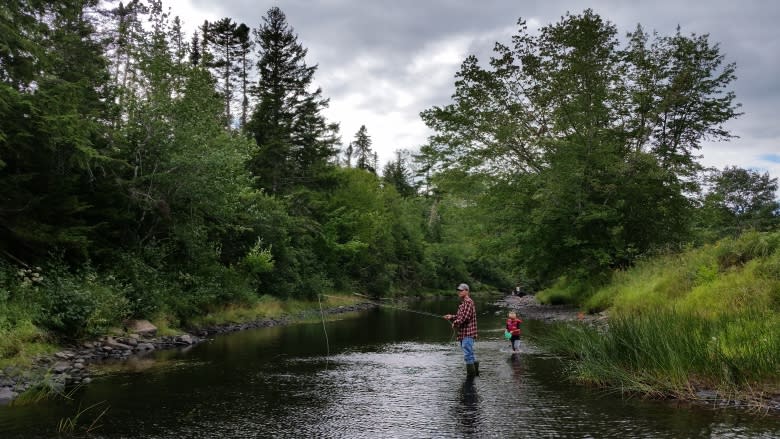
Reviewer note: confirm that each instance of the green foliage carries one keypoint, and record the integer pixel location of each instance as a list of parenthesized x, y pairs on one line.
[(121, 151), (398, 174), (147, 280), (82, 303), (732, 274), (359, 233), (739, 200), (294, 141), (706, 317), (20, 338), (566, 291), (50, 387), (259, 259), (593, 144), (54, 99), (734, 252)]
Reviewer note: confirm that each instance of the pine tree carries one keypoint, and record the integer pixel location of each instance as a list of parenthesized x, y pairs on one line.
[(52, 134), (243, 68), (177, 40), (126, 37), (397, 174), (223, 38), (195, 54), (348, 152), (361, 147), (294, 140)]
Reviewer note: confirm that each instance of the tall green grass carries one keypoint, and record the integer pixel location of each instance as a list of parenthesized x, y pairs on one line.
[(673, 354), (706, 318)]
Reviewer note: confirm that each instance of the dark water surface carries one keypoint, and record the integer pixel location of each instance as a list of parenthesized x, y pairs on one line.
[(383, 373)]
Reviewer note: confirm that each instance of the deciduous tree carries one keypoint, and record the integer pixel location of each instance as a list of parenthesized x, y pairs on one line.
[(598, 141)]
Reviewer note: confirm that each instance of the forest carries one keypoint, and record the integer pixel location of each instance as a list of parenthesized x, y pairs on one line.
[(145, 172)]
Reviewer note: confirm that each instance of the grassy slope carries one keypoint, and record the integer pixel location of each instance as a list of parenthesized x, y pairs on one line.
[(706, 318)]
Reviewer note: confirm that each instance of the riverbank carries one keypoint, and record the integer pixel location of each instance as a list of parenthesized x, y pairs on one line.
[(766, 399), (76, 364)]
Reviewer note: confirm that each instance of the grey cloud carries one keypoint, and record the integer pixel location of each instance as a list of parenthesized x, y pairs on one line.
[(340, 32)]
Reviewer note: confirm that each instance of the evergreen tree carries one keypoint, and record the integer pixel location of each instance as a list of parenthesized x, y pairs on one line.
[(206, 57), (348, 152), (397, 174), (176, 37), (361, 147), (53, 118), (294, 140), (223, 38), (126, 38), (243, 69), (195, 54)]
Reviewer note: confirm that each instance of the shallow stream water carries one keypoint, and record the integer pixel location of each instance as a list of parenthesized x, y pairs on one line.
[(381, 373)]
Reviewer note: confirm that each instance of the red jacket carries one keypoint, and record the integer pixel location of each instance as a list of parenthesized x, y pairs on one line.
[(513, 326)]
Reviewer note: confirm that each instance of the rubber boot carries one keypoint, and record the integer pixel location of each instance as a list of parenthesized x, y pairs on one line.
[(471, 371), (476, 368)]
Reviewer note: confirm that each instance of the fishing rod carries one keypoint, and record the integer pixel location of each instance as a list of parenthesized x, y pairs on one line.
[(387, 305)]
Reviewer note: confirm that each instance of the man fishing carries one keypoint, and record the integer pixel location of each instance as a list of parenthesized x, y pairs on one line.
[(466, 323)]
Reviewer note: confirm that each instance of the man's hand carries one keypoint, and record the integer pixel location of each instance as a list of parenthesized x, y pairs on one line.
[(448, 316)]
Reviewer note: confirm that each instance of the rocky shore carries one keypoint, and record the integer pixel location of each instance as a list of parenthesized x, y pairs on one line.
[(74, 365), (527, 307)]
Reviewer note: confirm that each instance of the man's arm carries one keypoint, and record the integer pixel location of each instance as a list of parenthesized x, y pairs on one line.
[(463, 314)]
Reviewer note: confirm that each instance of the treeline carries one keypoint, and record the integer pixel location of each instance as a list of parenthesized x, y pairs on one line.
[(585, 149), (145, 172)]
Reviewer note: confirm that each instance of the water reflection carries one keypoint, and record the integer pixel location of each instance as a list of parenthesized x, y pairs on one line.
[(517, 367), (468, 412)]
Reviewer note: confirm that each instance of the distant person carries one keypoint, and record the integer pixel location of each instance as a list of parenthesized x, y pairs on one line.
[(465, 321), (513, 326)]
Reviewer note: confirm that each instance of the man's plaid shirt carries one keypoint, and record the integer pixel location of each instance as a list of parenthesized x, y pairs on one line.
[(466, 319)]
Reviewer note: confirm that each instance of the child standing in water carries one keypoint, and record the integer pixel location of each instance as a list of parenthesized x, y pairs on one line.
[(513, 326)]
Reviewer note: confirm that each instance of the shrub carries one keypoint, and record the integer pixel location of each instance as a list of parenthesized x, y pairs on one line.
[(82, 303)]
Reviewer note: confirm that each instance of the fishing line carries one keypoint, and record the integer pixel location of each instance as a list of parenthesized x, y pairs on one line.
[(387, 305), (414, 311), (327, 343)]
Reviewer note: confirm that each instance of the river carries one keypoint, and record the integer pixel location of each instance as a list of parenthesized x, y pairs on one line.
[(381, 373)]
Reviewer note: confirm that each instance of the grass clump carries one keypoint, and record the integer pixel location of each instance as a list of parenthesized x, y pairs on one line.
[(21, 343), (672, 354)]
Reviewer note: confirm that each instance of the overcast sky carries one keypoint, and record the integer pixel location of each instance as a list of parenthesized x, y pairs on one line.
[(383, 62)]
